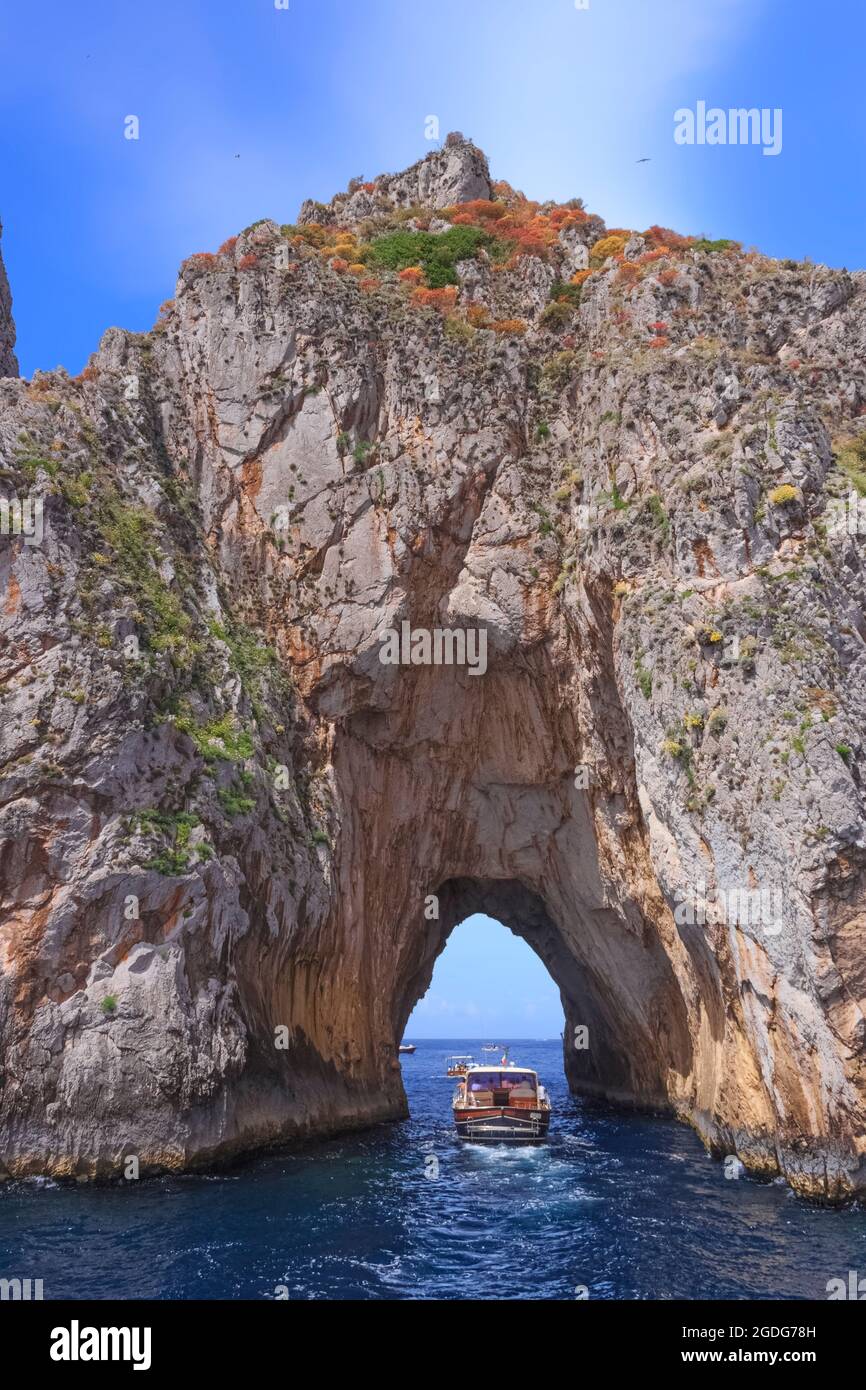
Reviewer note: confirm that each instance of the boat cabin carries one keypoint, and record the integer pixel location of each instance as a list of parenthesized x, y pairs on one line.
[(498, 1086)]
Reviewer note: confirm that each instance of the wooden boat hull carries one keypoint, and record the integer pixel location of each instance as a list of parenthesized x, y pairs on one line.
[(502, 1124)]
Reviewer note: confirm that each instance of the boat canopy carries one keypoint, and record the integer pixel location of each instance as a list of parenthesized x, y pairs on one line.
[(487, 1079)]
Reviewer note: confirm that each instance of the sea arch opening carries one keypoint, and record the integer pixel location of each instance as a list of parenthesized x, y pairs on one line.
[(623, 997), (488, 986)]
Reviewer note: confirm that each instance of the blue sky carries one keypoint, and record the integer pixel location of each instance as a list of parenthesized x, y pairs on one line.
[(487, 984), (565, 101)]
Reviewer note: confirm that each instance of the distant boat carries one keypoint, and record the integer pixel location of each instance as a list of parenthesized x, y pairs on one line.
[(490, 1047), (504, 1102), (459, 1064), (406, 1047)]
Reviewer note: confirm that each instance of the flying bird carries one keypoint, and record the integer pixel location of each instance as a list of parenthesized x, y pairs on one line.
[(646, 160)]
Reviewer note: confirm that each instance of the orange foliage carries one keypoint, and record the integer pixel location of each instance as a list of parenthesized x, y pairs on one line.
[(530, 230), (371, 283), (228, 246), (338, 264), (477, 210), (368, 187), (442, 300), (512, 326), (649, 256), (248, 262), (477, 315), (660, 342), (412, 275), (202, 259), (89, 374), (580, 276), (667, 278), (663, 236), (566, 217), (358, 268), (629, 273)]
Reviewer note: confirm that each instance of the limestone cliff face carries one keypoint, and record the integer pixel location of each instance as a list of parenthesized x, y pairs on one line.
[(224, 816), (8, 360)]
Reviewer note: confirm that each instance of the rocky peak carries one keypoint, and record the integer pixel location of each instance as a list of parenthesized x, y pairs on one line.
[(456, 173), (8, 360)]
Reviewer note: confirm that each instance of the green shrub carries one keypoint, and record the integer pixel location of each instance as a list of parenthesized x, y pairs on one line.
[(718, 720), (660, 516), (436, 254), (217, 738), (723, 244), (233, 803), (556, 315), (851, 460), (644, 678)]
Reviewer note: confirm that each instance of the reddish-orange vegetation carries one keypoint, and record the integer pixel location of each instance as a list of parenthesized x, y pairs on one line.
[(580, 276), (663, 236), (658, 327), (629, 273), (412, 275), (512, 326), (357, 268), (476, 212), (529, 229), (339, 264), (371, 283), (660, 342), (649, 257), (202, 259), (442, 300), (248, 262), (369, 187), (477, 315), (667, 278), (228, 246)]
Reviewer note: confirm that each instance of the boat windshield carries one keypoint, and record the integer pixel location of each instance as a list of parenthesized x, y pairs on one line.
[(501, 1080)]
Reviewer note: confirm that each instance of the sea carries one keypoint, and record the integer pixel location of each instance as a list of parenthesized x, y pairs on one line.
[(615, 1205)]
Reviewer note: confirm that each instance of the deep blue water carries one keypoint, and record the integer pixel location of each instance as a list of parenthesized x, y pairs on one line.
[(629, 1206)]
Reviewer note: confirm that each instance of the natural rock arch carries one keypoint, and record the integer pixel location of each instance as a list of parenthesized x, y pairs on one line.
[(222, 812)]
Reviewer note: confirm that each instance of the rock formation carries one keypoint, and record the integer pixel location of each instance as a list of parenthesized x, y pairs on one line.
[(634, 462), (8, 360)]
